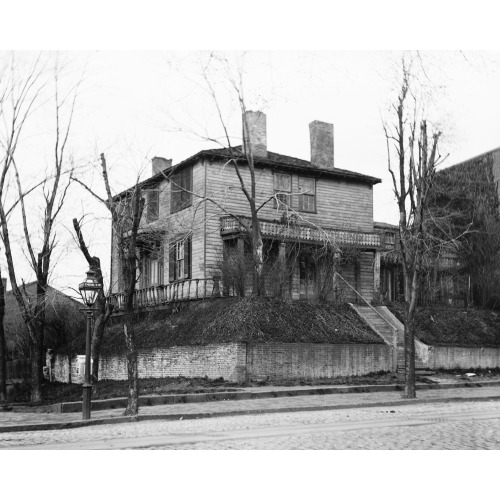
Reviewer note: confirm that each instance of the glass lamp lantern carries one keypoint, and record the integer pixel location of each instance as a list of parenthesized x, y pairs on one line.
[(89, 288)]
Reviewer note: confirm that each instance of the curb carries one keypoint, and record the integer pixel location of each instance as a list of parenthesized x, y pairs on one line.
[(111, 404), (193, 416)]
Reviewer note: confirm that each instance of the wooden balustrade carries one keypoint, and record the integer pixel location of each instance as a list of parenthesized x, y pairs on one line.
[(277, 230), (154, 296)]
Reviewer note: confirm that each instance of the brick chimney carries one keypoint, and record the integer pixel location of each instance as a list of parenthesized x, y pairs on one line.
[(321, 134), (159, 164), (254, 133)]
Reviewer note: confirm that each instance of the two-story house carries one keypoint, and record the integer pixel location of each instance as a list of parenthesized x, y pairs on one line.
[(195, 224)]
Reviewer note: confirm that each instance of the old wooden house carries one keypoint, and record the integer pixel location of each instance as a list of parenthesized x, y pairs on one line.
[(193, 235)]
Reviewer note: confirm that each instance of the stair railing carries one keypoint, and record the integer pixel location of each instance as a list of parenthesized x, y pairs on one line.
[(394, 344)]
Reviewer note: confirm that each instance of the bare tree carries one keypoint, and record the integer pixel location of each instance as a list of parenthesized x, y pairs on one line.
[(3, 349), (22, 94), (416, 156), (126, 212), (103, 309)]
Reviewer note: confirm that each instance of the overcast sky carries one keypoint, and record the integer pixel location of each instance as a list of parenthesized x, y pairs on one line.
[(129, 99), (134, 105)]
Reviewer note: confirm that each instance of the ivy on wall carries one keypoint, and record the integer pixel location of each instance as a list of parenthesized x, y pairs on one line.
[(466, 196)]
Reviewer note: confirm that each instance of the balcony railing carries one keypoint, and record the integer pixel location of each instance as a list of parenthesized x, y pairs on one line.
[(154, 296), (276, 230)]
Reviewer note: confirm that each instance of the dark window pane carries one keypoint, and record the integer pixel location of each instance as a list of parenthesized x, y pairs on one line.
[(181, 188), (153, 205)]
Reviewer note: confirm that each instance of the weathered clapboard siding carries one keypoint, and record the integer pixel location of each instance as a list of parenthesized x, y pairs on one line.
[(172, 226), (339, 204)]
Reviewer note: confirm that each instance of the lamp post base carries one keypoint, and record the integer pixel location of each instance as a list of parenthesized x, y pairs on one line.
[(87, 395)]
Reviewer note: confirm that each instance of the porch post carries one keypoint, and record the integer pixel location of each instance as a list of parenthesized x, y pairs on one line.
[(376, 275)]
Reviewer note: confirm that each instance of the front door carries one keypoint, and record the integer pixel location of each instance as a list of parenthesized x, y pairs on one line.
[(307, 279)]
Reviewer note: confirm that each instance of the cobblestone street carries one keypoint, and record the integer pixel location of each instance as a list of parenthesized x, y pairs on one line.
[(454, 426)]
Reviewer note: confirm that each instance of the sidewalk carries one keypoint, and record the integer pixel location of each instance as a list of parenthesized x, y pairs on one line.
[(256, 400)]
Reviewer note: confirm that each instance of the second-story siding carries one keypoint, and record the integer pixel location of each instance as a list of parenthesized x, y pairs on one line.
[(339, 203)]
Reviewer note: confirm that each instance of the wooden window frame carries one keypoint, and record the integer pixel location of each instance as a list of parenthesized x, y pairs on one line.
[(153, 205), (150, 253), (181, 188), (184, 244), (283, 196), (303, 196)]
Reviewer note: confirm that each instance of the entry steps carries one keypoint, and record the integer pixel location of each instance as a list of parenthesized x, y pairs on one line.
[(383, 324)]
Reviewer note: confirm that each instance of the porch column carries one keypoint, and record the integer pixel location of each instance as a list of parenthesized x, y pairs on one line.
[(376, 275), (282, 251), (241, 246)]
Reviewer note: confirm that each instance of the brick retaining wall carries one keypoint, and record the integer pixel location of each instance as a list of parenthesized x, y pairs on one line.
[(212, 361), (229, 361), (314, 361), (463, 357), (275, 361)]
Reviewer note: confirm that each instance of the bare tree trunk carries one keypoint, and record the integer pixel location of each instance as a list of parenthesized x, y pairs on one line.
[(36, 366), (97, 336), (3, 350), (409, 341), (133, 376), (103, 310), (258, 258)]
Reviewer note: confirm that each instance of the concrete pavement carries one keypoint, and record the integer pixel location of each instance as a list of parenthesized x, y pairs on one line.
[(258, 401)]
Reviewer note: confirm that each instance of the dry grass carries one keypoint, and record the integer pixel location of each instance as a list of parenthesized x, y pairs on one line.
[(454, 326), (249, 319)]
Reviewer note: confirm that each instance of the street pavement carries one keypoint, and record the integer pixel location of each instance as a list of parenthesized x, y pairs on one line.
[(458, 418), (448, 426)]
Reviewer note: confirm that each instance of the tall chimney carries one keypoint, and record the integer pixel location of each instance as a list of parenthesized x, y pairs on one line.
[(321, 134), (254, 133), (159, 164), (4, 283)]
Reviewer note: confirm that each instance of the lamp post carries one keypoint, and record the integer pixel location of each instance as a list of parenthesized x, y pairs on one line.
[(89, 290)]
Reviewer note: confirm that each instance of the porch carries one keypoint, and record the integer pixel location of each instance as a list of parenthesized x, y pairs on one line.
[(293, 231), (300, 260), (163, 295)]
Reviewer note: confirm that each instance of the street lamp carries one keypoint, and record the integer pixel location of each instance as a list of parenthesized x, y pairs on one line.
[(89, 290)]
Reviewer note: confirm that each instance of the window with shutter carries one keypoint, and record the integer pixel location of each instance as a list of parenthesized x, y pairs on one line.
[(180, 260), (153, 205), (307, 198), (151, 264), (282, 190), (181, 189)]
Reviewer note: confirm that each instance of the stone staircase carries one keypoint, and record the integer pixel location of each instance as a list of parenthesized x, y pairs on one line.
[(384, 323)]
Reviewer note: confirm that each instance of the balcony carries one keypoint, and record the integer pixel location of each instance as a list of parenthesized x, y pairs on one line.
[(163, 295), (295, 232)]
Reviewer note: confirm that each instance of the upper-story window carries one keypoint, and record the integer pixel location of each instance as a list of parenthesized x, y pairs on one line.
[(282, 190), (181, 189), (307, 197), (152, 205), (390, 239)]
